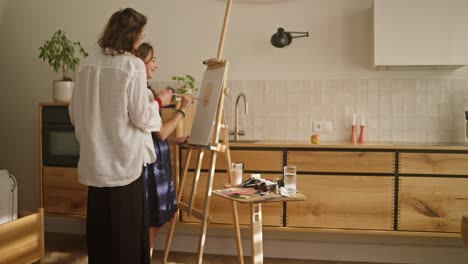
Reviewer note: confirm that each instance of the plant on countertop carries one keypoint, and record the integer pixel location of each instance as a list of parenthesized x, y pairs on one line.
[(59, 52), (184, 84)]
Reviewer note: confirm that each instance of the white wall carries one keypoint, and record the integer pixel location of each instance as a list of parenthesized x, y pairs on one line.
[(185, 32), (2, 4)]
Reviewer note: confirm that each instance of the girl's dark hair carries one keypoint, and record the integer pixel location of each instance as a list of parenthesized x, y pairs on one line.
[(143, 51), (122, 31)]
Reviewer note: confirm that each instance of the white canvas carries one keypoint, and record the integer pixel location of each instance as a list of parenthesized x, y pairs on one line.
[(210, 91)]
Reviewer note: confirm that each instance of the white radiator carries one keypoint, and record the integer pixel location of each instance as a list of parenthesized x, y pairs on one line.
[(8, 197)]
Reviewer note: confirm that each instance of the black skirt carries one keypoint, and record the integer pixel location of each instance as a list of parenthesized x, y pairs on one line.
[(117, 224)]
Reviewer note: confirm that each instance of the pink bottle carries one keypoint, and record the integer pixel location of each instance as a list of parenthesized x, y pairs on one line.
[(353, 134), (353, 130), (362, 133)]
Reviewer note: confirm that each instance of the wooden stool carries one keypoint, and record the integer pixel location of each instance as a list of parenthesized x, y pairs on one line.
[(255, 201)]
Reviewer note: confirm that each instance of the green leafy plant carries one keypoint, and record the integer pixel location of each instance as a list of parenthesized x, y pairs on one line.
[(60, 53), (184, 84)]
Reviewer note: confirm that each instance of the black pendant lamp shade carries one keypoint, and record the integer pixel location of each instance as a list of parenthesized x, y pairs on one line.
[(283, 38)]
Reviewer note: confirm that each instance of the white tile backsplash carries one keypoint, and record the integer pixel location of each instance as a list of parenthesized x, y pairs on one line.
[(408, 110)]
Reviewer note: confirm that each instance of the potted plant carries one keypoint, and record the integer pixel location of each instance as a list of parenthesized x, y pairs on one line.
[(184, 84), (61, 54)]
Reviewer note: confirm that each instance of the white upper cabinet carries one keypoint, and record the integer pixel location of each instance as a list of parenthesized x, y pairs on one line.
[(419, 34)]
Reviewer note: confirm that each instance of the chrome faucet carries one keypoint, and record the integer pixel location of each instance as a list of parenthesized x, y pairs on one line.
[(236, 131)]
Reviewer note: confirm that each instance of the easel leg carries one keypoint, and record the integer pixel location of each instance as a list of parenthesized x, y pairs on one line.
[(179, 198), (235, 215), (206, 211), (169, 239), (257, 236), (184, 176), (193, 194)]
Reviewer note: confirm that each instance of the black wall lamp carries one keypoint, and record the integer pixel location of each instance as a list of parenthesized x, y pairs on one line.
[(283, 38)]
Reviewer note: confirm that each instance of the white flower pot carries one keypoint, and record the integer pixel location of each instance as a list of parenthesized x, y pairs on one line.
[(62, 91)]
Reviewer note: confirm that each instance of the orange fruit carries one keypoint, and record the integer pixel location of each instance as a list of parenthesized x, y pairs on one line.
[(315, 139)]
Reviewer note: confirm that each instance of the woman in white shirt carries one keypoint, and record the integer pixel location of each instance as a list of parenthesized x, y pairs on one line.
[(113, 122)]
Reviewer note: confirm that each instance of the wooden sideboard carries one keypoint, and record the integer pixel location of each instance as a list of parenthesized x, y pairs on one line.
[(371, 188), (388, 189)]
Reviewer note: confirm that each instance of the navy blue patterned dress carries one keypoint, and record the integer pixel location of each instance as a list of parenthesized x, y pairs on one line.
[(160, 189)]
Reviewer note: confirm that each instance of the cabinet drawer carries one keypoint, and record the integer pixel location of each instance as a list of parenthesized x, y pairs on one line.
[(340, 161), (62, 193), (221, 208), (355, 202), (432, 204), (434, 163), (254, 160)]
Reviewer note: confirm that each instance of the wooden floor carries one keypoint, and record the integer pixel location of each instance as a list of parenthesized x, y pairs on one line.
[(71, 249)]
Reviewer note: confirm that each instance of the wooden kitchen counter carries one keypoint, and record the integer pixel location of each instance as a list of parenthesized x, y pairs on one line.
[(347, 145)]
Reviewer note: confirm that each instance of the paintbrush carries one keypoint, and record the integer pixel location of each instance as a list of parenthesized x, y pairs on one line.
[(194, 98)]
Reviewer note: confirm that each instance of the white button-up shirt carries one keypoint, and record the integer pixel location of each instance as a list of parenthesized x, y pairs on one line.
[(113, 119)]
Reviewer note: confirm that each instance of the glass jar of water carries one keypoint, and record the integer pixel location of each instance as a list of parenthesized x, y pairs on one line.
[(289, 177)]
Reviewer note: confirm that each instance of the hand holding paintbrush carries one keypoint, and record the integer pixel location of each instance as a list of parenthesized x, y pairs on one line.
[(194, 98)]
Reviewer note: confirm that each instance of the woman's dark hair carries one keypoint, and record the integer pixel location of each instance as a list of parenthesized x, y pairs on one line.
[(122, 31), (143, 51)]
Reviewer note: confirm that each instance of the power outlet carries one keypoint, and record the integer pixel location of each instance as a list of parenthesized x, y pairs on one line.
[(322, 126)]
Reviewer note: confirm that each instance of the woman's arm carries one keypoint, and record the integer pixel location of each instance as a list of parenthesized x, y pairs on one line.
[(169, 126), (177, 140)]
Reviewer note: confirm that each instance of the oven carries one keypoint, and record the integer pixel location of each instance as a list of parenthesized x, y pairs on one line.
[(60, 147)]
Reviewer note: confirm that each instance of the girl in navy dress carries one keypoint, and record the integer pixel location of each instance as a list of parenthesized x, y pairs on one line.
[(160, 189)]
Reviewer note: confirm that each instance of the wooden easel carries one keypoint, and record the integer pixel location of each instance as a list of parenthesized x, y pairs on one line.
[(214, 147)]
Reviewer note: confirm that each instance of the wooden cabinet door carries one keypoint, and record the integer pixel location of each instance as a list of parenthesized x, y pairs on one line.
[(221, 208), (343, 161), (254, 160), (432, 204), (434, 163), (351, 202), (166, 115), (62, 193)]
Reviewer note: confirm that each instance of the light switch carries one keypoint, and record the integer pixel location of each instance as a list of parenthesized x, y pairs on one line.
[(322, 126)]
